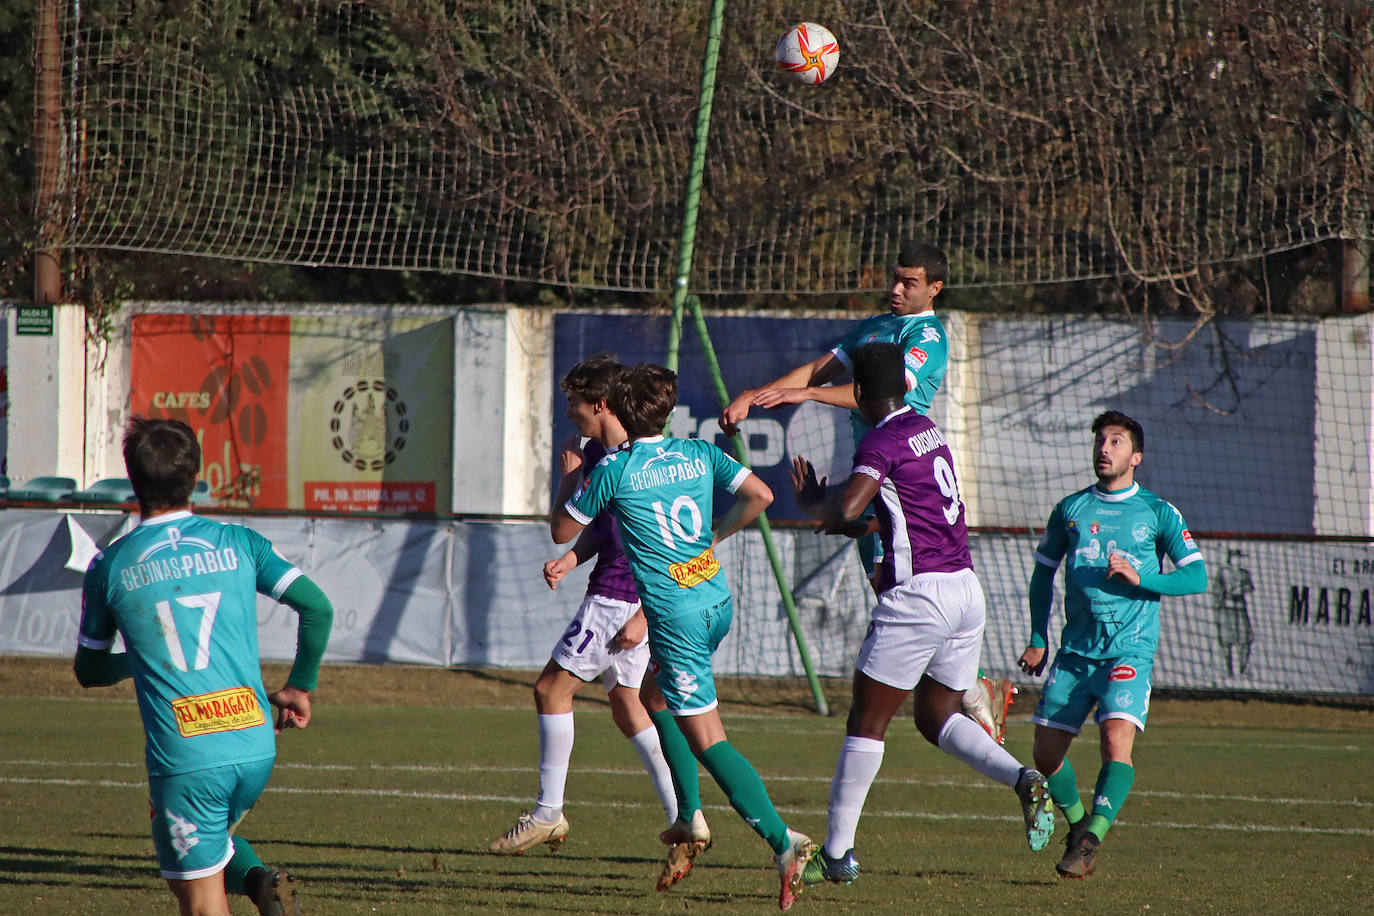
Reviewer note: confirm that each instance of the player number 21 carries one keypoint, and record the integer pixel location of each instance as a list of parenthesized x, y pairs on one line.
[(209, 606)]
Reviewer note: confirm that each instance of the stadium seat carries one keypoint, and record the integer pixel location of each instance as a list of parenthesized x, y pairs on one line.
[(44, 489), (201, 494), (107, 490), (4, 487)]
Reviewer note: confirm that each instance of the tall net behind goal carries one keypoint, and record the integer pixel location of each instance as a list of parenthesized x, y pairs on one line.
[(549, 142)]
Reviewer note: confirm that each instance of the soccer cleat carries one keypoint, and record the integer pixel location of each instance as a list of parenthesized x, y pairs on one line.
[(1080, 858), (686, 840), (694, 832), (1003, 693), (1037, 808), (791, 863), (273, 893), (823, 868), (528, 833)]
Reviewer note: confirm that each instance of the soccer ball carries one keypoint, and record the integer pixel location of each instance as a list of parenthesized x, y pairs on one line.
[(809, 52)]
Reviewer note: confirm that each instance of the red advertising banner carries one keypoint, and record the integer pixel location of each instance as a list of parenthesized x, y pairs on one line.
[(227, 376)]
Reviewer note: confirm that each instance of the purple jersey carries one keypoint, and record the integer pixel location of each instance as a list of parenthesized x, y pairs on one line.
[(920, 514), (610, 577)]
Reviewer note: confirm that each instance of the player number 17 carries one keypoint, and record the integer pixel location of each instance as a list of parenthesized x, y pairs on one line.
[(209, 606)]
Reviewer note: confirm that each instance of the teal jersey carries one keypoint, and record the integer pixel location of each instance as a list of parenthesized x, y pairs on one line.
[(1106, 618), (925, 353), (662, 491), (182, 591)]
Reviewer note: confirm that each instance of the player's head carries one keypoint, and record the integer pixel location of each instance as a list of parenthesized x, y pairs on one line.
[(588, 386), (644, 398), (1118, 446), (879, 379), (163, 460), (917, 277)]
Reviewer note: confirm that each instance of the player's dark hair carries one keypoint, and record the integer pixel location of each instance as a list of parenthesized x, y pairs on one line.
[(163, 461), (593, 378), (879, 371), (1117, 418), (643, 399), (923, 254)]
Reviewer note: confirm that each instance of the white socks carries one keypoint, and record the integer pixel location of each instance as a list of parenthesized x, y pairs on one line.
[(651, 752), (555, 750), (860, 760), (965, 739)]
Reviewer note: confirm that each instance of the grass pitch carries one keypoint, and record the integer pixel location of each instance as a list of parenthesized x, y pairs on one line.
[(387, 802)]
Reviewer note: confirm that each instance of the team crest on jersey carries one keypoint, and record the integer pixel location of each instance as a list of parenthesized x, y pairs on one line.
[(1122, 673), (1094, 528), (368, 424)]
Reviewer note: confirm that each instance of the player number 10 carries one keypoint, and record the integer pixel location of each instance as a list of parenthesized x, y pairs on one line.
[(674, 516)]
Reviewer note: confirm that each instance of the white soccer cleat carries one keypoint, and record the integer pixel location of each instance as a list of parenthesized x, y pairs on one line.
[(528, 833), (791, 864)]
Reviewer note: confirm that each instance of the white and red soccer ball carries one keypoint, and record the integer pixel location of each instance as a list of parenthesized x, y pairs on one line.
[(809, 52)]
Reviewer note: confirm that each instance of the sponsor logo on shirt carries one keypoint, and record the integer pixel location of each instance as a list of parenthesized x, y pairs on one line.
[(916, 357), (675, 468), (182, 566), (1141, 533), (695, 571), (1122, 673), (222, 711), (929, 334), (1188, 539)]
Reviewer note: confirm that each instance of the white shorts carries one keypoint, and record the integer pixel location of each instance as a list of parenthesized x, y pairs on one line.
[(930, 624), (587, 651)]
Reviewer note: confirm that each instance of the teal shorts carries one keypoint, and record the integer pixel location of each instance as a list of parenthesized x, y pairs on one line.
[(194, 813), (1120, 688), (681, 645)]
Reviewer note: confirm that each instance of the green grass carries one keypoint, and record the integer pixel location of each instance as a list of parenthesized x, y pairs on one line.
[(388, 809)]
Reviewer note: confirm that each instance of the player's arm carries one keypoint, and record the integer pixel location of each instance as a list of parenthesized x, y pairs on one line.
[(752, 496), (95, 665), (835, 514), (584, 548), (805, 377), (1040, 596), (100, 667), (312, 636), (1189, 576), (817, 388)]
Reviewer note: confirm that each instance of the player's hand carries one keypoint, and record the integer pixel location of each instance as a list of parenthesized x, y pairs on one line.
[(773, 398), (570, 454), (854, 528), (557, 568), (293, 707), (810, 491), (632, 633), (1118, 565), (734, 413), (1032, 661)]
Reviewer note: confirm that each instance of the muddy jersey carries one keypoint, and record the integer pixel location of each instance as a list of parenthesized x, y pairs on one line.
[(921, 518), (182, 591), (925, 356), (662, 492), (1107, 618)]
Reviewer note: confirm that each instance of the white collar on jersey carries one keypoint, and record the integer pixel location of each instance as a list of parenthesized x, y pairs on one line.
[(1115, 496), (896, 413), (168, 517), (928, 313), (644, 439)]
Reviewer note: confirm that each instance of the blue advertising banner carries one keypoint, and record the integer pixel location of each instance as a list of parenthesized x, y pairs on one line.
[(752, 351)]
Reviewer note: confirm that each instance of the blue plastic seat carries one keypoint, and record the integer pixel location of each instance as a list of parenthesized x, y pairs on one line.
[(107, 490), (4, 487), (201, 494), (44, 489)]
